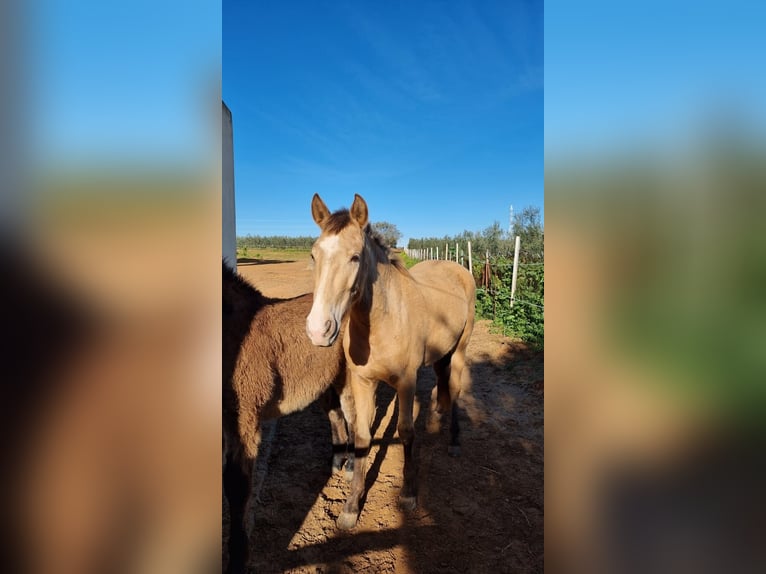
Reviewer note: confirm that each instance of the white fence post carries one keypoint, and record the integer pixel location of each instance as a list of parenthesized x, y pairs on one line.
[(457, 253), (470, 262), (515, 268), (229, 236)]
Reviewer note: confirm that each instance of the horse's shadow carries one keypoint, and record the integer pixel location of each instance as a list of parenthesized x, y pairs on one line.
[(482, 493), (251, 261), (297, 471)]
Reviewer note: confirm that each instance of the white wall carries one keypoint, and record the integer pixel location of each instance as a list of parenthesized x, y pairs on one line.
[(229, 222)]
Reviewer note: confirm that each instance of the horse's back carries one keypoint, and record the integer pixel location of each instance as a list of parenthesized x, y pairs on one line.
[(448, 292), (447, 278)]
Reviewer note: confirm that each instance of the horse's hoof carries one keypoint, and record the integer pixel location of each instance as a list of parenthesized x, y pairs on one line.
[(408, 503), (337, 463), (453, 451), (347, 520)]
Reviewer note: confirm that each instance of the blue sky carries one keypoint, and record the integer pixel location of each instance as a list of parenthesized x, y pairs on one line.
[(651, 75), (432, 111), (123, 83)]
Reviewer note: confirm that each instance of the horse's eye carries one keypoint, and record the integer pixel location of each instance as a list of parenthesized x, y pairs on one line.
[(355, 258)]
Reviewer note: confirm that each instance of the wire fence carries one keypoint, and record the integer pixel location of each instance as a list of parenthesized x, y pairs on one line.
[(502, 281), (509, 292), (517, 300)]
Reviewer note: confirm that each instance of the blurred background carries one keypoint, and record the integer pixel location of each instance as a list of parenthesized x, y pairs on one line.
[(110, 244), (655, 140)]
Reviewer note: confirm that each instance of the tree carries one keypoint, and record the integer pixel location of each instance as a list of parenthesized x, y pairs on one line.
[(493, 238), (388, 232), (527, 226)]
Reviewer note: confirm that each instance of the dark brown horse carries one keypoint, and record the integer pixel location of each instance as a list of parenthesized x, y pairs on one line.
[(271, 369), (391, 322)]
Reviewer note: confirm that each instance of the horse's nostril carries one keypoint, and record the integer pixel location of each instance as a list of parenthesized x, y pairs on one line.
[(327, 326)]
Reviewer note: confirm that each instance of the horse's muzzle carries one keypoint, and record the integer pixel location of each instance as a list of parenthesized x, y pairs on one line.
[(326, 335)]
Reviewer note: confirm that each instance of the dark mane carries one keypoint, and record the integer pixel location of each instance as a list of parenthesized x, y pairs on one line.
[(385, 250), (231, 275), (338, 220), (239, 294)]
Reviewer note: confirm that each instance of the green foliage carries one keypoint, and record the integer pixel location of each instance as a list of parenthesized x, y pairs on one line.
[(525, 319), (527, 226), (408, 261), (495, 239), (388, 232), (274, 242)]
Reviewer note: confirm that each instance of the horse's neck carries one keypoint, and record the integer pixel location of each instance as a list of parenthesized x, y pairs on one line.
[(381, 294), (387, 293)]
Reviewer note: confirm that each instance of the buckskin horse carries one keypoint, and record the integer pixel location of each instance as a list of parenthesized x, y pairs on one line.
[(391, 322)]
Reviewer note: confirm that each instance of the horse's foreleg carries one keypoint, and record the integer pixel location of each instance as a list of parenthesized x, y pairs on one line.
[(349, 413), (364, 403), (405, 427), (331, 404), (236, 483)]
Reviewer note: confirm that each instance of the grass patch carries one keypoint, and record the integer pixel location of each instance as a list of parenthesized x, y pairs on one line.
[(273, 254)]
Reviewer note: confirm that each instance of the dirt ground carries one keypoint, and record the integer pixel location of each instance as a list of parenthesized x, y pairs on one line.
[(481, 512)]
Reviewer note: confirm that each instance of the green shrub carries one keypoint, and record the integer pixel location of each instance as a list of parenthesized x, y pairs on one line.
[(408, 261), (525, 319)]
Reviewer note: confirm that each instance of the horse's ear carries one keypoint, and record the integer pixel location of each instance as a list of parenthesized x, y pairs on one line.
[(359, 210), (319, 210)]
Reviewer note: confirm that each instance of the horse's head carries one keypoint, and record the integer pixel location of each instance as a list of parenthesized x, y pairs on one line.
[(338, 256)]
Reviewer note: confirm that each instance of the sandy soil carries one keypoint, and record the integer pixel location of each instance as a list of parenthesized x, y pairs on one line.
[(482, 512)]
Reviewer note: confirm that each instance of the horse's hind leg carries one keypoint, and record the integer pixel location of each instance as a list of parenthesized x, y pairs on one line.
[(405, 392), (444, 397), (440, 397), (457, 372)]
